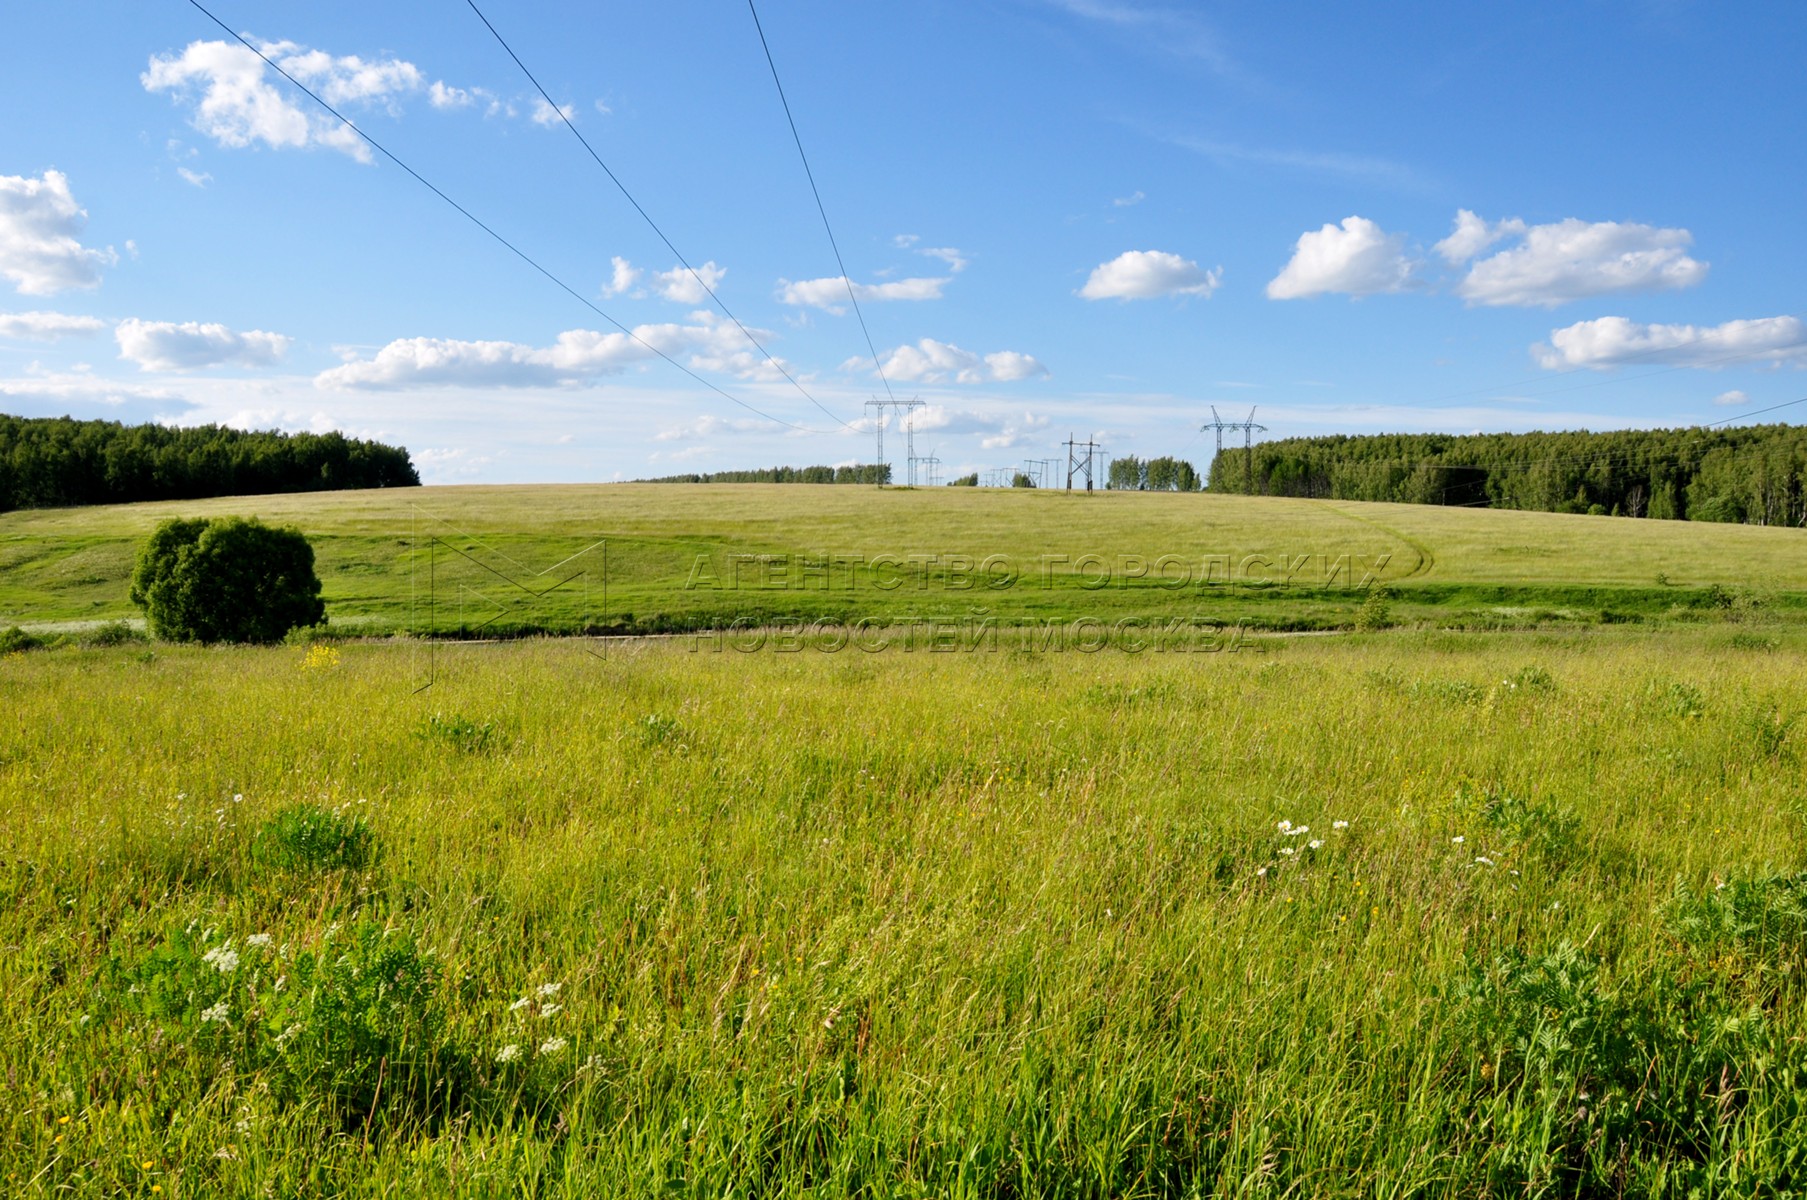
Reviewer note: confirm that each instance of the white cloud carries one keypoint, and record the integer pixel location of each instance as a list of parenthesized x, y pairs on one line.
[(1612, 341), (239, 103), (545, 114), (74, 391), (708, 426), (47, 326), (167, 346), (199, 178), (1130, 200), (956, 261), (1731, 398), (829, 294), (577, 357), (39, 227), (349, 79), (441, 95), (1573, 260), (930, 361), (1473, 235), (904, 241), (1145, 274), (678, 284), (625, 276), (1358, 259)]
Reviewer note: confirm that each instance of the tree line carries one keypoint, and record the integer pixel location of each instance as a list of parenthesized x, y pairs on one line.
[(1165, 474), (1753, 475), (857, 473), (55, 462)]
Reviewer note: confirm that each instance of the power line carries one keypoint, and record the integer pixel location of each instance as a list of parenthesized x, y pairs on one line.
[(479, 223), (647, 217), (816, 192)]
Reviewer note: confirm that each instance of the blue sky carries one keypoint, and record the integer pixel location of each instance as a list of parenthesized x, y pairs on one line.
[(1061, 217)]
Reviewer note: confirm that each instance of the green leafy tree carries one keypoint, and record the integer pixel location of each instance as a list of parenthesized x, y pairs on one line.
[(226, 579), (1128, 474), (1022, 479)]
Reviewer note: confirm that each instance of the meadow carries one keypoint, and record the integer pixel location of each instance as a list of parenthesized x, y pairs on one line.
[(1406, 913), (1498, 891), (489, 560)]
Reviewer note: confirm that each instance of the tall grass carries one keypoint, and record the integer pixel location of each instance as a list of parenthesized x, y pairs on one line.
[(986, 924)]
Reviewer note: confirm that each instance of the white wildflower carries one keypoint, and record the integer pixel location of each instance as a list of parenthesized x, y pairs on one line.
[(551, 1010), (518, 1005), (552, 1045), (1287, 850), (218, 1012), (1339, 824), (1483, 860), (1458, 839), (1285, 827), (1261, 871), (508, 1053), (1315, 843), (260, 940), (222, 958), (549, 989)]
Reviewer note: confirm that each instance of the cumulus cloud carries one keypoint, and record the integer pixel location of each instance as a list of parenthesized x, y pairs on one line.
[(441, 95), (623, 278), (1731, 398), (577, 357), (167, 346), (1357, 258), (680, 285), (237, 103), (40, 224), (1473, 235), (1145, 274), (930, 361), (1570, 260), (831, 294), (1611, 341), (47, 326), (546, 114)]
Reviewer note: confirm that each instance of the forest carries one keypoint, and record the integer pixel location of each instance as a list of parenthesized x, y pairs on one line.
[(1753, 475), (59, 462)]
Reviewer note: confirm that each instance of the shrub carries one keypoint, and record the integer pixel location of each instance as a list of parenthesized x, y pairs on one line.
[(226, 580), (354, 1024), (113, 633), (308, 837), (1375, 612), (1585, 1089), (17, 641)]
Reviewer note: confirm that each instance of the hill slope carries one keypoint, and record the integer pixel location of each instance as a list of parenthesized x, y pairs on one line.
[(680, 556)]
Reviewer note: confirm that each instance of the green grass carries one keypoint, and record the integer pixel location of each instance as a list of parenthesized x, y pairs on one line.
[(500, 558), (907, 924)]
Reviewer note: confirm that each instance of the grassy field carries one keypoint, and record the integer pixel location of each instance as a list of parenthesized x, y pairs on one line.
[(673, 922), (679, 557)]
